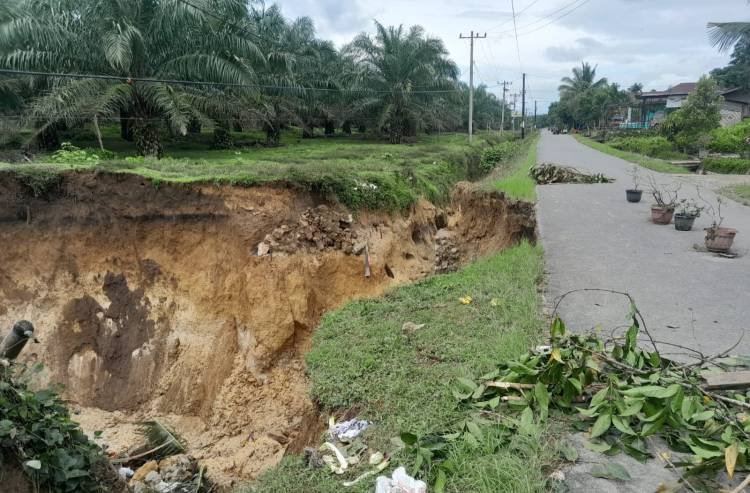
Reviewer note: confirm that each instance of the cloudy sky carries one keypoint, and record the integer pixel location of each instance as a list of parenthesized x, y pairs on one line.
[(656, 42)]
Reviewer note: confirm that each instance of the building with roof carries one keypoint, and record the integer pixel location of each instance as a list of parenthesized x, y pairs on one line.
[(657, 104)]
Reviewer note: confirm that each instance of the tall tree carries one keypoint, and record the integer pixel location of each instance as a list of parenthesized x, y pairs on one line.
[(397, 68), (584, 78), (128, 39)]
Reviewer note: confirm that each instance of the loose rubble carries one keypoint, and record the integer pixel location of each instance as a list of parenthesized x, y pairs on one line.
[(174, 474), (317, 229)]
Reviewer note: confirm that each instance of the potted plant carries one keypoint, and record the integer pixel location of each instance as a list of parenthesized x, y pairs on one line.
[(686, 212), (634, 194), (718, 238), (665, 201)]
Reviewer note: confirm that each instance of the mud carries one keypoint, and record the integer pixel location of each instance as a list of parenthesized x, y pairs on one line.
[(196, 304)]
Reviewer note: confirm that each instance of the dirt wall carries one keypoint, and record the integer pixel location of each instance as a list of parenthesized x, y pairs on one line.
[(195, 303)]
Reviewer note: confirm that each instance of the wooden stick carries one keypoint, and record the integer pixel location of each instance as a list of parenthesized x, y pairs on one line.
[(510, 385), (742, 485)]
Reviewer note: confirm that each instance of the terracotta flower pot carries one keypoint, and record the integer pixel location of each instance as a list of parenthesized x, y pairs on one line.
[(661, 215), (720, 239)]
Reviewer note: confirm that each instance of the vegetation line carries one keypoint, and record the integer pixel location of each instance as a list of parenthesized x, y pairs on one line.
[(518, 184), (647, 162)]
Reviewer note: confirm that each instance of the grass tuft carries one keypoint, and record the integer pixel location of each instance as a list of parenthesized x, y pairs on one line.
[(518, 184)]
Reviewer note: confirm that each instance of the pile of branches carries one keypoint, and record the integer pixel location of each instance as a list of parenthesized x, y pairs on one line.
[(622, 395), (547, 173)]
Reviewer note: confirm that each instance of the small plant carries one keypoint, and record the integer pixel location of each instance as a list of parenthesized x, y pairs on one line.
[(689, 207), (70, 154), (635, 176), (714, 210), (664, 197)]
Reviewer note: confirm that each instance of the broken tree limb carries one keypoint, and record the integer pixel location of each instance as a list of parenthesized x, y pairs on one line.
[(510, 385)]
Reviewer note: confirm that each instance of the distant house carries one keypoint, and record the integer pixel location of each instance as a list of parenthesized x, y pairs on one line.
[(657, 104)]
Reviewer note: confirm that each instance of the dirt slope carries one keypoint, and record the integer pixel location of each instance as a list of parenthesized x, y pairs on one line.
[(154, 301)]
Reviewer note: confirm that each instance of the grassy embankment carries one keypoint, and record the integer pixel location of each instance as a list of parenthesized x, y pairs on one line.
[(740, 193), (361, 173), (647, 162), (513, 178), (363, 360)]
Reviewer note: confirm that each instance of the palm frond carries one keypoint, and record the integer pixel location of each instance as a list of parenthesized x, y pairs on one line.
[(724, 35), (160, 440)]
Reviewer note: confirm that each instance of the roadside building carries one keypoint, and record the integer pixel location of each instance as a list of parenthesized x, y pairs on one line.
[(656, 105)]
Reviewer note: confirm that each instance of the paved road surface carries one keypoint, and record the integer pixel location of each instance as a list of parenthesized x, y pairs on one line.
[(593, 238)]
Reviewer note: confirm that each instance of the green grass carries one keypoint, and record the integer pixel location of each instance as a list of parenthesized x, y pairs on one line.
[(362, 360), (740, 193), (359, 172), (517, 183), (647, 162)]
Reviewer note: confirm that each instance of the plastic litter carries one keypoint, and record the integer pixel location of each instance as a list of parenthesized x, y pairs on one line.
[(126, 472), (342, 462), (400, 482), (348, 430)]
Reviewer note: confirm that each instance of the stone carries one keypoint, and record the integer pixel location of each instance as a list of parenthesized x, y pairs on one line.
[(359, 248), (153, 477), (263, 249), (180, 468), (146, 468)]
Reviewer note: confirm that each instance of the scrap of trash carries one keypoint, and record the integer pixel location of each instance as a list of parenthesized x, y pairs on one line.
[(547, 173)]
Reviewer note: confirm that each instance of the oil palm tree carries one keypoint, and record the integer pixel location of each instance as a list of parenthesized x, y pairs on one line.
[(396, 68), (724, 35), (584, 78), (127, 39)]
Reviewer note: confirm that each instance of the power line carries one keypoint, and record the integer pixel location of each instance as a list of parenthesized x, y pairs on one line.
[(130, 80), (548, 16), (519, 13), (515, 29)]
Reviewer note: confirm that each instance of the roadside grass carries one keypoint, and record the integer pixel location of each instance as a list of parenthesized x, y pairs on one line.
[(740, 193), (362, 360), (361, 173), (647, 162), (514, 179)]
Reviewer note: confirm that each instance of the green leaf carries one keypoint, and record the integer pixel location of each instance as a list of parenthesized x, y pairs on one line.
[(703, 416), (466, 385), (568, 451), (612, 470), (689, 405), (599, 397), (631, 337), (633, 408), (653, 391), (474, 429), (557, 329), (601, 425), (542, 398), (440, 481), (408, 438), (597, 446), (622, 425)]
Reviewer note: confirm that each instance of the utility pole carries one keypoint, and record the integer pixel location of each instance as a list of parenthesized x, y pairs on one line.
[(505, 89), (535, 114), (523, 108), (513, 112), (471, 37)]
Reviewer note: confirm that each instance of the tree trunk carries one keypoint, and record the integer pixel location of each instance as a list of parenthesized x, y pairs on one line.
[(194, 126), (361, 128), (222, 138), (308, 131), (48, 139), (147, 141), (330, 128), (126, 126), (347, 127), (273, 135)]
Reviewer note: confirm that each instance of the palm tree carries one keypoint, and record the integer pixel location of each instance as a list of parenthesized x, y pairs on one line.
[(724, 35), (127, 39), (584, 78), (396, 69)]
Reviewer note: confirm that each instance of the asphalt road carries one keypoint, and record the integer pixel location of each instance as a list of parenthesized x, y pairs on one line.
[(594, 238)]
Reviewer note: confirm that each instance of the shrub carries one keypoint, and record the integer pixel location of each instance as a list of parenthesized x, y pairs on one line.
[(37, 433), (70, 154), (731, 139), (650, 146), (501, 153), (727, 165)]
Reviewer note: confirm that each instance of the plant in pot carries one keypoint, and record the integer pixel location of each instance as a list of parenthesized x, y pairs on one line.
[(665, 201), (718, 238), (686, 212), (634, 194)]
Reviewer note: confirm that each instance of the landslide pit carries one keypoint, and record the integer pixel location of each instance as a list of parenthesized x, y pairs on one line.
[(151, 301)]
